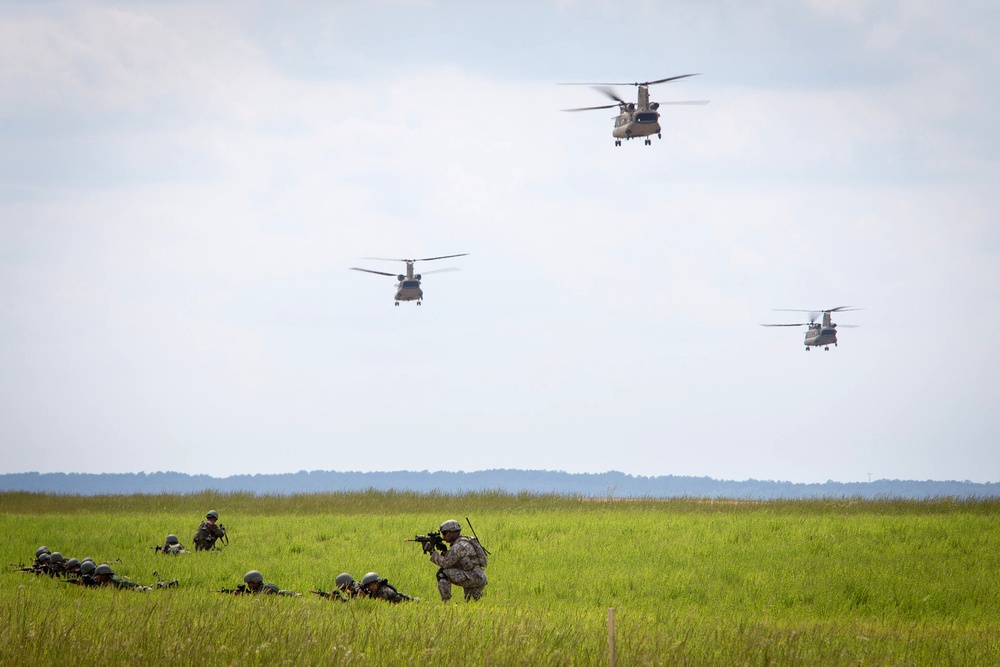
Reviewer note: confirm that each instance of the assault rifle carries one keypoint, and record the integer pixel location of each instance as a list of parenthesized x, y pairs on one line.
[(330, 595), (432, 540), (239, 590)]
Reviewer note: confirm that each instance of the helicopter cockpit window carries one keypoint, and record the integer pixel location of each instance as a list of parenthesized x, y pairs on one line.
[(646, 117), (411, 284)]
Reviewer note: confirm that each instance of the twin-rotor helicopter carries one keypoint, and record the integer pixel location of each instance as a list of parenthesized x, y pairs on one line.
[(408, 287), (818, 335), (634, 120)]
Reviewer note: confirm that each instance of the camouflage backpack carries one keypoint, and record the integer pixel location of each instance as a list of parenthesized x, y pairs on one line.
[(480, 551)]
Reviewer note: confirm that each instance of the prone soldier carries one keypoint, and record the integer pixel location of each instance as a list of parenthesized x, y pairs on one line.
[(379, 588), (172, 546), (254, 584), (347, 589), (105, 576)]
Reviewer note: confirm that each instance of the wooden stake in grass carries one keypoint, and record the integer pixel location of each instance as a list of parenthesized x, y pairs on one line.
[(611, 636)]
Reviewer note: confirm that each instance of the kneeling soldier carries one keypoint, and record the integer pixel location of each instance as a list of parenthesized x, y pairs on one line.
[(461, 565)]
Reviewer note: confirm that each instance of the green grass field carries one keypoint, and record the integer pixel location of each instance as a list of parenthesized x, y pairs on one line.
[(836, 582)]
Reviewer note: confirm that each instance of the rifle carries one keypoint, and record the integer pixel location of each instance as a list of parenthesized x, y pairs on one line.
[(225, 536), (331, 595), (476, 536), (432, 540), (158, 548), (239, 590)]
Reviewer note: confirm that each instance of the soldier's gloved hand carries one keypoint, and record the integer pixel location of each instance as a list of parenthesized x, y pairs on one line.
[(441, 546), (427, 547)]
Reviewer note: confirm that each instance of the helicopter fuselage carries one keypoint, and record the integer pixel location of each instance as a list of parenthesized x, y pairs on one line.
[(631, 124), (409, 290), (820, 336)]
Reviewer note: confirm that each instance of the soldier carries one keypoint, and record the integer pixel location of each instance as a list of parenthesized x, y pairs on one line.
[(348, 587), (253, 583), (86, 575), (38, 554), (72, 568), (57, 564), (173, 546), (208, 532), (105, 576), (378, 588), (461, 565)]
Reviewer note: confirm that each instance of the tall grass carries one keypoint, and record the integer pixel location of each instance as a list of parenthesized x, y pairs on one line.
[(693, 582)]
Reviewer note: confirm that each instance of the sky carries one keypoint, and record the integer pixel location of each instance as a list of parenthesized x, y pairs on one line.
[(184, 187)]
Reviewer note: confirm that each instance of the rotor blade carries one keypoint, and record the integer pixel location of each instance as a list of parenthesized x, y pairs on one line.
[(628, 83), (670, 78), (848, 326), (610, 94), (801, 324), (381, 273), (450, 268), (606, 106), (427, 259), (687, 102), (819, 310)]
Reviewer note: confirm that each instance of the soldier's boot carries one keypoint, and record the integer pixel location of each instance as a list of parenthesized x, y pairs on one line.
[(473, 594), (444, 586)]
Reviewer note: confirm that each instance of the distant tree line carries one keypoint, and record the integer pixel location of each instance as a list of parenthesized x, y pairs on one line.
[(596, 485)]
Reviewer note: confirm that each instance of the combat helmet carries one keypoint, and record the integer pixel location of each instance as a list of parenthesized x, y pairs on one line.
[(253, 577), (450, 525), (56, 557), (41, 550), (369, 578), (104, 568), (172, 539), (87, 567), (344, 580), (43, 558), (71, 563), (212, 514)]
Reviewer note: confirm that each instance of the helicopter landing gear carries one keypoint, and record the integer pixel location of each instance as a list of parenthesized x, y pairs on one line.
[(397, 303), (649, 142), (827, 348), (618, 142), (419, 302), (659, 135), (807, 349)]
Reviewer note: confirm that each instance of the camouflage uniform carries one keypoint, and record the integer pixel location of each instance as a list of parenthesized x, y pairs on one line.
[(460, 565), (118, 582), (271, 589), (386, 591), (174, 549), (208, 533)]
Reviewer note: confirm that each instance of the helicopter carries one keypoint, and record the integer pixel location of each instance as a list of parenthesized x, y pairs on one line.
[(818, 335), (634, 120), (408, 287)]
